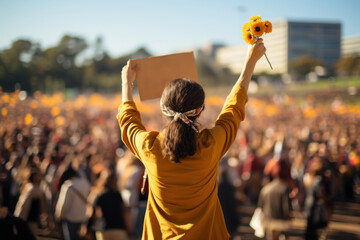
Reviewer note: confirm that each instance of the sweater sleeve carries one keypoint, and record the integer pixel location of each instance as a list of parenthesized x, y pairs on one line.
[(133, 131), (228, 122)]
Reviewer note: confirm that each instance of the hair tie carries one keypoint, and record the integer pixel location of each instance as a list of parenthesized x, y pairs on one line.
[(183, 116)]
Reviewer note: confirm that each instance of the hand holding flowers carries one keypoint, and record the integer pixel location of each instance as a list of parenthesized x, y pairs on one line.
[(254, 29)]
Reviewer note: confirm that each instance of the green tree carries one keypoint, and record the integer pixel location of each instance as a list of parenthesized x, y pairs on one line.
[(28, 66), (104, 72), (303, 65), (55, 67), (14, 63), (348, 66)]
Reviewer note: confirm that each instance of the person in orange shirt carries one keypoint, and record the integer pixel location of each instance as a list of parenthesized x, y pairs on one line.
[(182, 161)]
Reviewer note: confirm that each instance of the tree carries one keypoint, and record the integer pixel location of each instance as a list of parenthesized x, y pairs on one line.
[(348, 66), (104, 73), (55, 66), (14, 65), (31, 68), (303, 65)]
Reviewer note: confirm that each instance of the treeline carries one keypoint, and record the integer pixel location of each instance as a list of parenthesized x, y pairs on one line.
[(27, 66), (344, 67)]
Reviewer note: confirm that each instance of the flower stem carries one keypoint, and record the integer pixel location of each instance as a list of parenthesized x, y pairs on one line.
[(268, 62)]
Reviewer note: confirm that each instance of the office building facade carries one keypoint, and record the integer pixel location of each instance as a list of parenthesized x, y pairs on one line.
[(350, 46), (288, 41)]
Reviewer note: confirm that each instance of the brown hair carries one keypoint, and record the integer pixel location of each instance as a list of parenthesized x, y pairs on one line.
[(181, 95)]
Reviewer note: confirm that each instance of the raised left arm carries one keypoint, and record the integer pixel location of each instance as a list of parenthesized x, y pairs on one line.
[(128, 75)]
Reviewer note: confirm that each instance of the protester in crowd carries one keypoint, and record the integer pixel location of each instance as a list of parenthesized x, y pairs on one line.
[(226, 192), (297, 173), (251, 176), (129, 171), (181, 161), (8, 186), (316, 201), (131, 180), (48, 170), (274, 201), (31, 201), (71, 205), (141, 194), (109, 212), (12, 181), (14, 228)]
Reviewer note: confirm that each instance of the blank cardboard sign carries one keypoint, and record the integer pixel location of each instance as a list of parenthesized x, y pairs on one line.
[(153, 73)]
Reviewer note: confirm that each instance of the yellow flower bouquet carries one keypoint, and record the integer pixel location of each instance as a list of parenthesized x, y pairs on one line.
[(254, 29)]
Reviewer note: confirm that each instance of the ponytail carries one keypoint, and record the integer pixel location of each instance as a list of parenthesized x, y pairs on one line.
[(186, 98), (179, 141)]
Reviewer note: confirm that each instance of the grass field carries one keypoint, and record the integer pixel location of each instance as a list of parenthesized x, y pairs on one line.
[(330, 84), (324, 90)]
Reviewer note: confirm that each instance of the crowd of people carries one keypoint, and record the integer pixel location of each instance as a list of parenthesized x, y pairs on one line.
[(65, 170), (297, 158)]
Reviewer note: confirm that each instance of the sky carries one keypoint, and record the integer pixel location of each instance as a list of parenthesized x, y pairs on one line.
[(161, 26)]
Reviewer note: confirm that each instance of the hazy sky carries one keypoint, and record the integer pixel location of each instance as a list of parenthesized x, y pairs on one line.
[(162, 26)]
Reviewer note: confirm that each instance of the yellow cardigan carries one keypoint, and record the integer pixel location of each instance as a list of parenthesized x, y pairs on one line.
[(183, 198)]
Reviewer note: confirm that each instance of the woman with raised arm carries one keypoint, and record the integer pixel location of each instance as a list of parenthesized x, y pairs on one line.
[(182, 161)]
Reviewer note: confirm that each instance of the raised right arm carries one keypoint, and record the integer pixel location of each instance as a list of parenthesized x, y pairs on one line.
[(233, 112), (255, 52)]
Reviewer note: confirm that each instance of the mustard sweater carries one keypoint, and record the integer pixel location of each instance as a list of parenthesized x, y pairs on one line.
[(183, 201)]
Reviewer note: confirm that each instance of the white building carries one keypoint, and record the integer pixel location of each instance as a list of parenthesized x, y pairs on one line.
[(350, 46), (288, 41)]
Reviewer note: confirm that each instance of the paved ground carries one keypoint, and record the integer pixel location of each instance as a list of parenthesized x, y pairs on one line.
[(344, 223)]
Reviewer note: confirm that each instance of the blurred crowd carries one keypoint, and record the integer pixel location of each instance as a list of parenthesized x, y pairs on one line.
[(294, 158), (64, 171)]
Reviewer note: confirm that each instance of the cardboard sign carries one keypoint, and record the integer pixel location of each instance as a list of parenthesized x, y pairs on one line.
[(153, 73)]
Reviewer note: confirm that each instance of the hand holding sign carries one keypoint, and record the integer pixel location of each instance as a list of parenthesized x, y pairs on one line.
[(153, 73)]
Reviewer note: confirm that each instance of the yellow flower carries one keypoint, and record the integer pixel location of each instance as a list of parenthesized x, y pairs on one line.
[(256, 18), (55, 111), (249, 38), (4, 112), (60, 121), (257, 29), (268, 26), (246, 27), (310, 112), (6, 98), (271, 110), (28, 119)]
